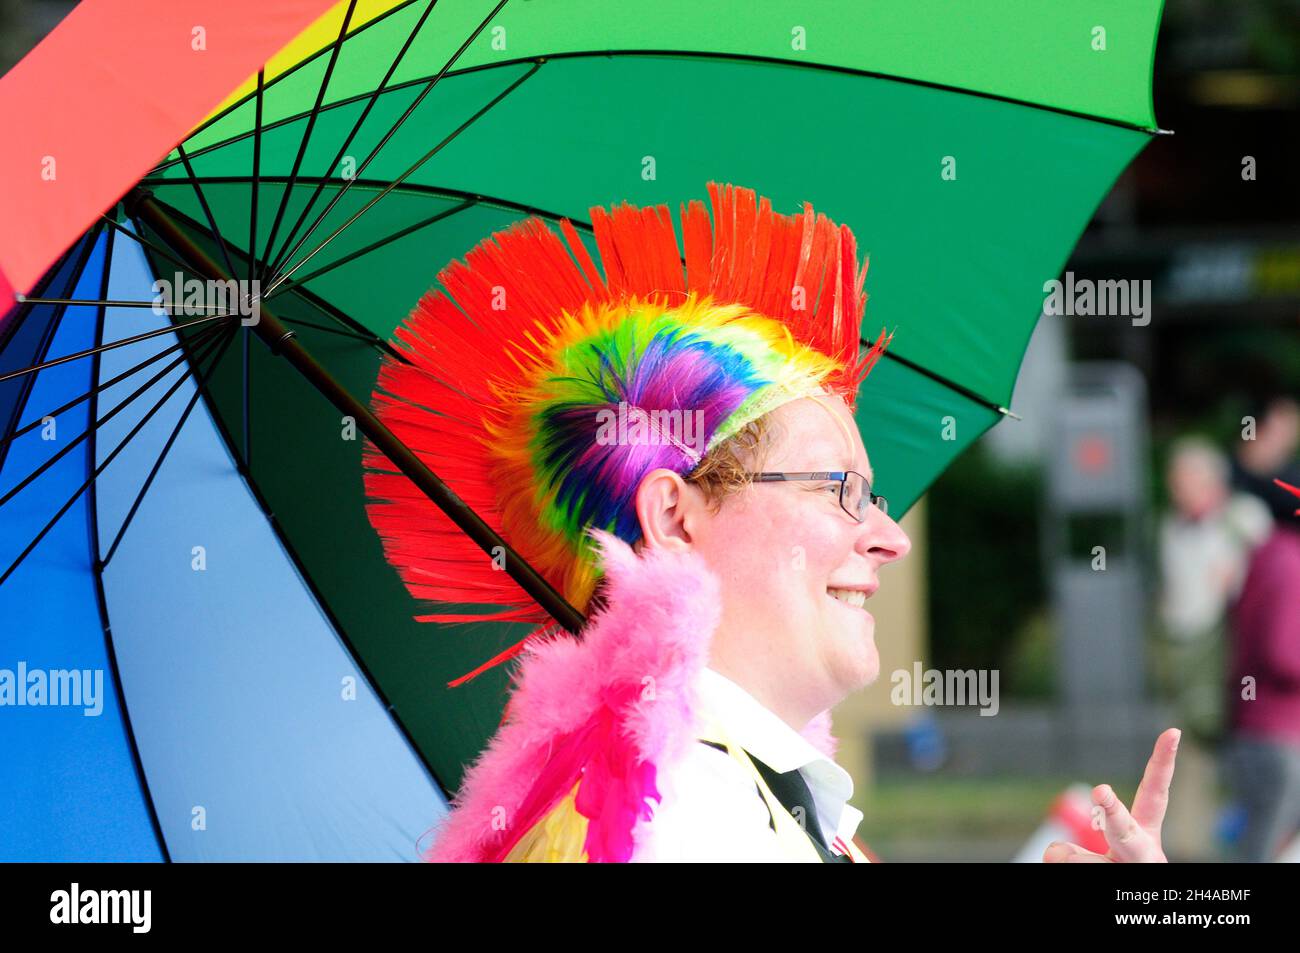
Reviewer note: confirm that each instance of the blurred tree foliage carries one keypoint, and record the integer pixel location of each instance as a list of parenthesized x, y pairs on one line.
[(1260, 33), (986, 577)]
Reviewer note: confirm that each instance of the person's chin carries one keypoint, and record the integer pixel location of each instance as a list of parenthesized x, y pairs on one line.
[(870, 667), (859, 658)]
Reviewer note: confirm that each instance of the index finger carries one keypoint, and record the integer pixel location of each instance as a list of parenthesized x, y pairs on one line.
[(1153, 793), (1129, 842)]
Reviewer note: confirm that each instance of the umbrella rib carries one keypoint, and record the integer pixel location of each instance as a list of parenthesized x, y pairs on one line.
[(22, 484), (361, 332), (476, 198), (479, 199), (280, 77), (336, 47), (92, 513), (151, 246), (312, 299), (580, 54), (98, 470), (344, 332), (281, 278), (247, 461), (824, 67), (256, 182), (372, 98), (252, 260), (347, 101), (350, 327), (207, 211), (112, 303), (199, 336), (374, 246), (144, 489), (43, 350), (946, 382), (9, 328), (391, 132), (143, 336)]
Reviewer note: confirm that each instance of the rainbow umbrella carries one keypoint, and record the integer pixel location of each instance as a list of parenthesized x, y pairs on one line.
[(271, 691)]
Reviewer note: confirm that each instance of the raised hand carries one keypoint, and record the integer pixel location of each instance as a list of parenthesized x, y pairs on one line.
[(1133, 838)]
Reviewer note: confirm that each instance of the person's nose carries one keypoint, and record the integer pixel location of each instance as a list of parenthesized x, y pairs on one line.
[(883, 538)]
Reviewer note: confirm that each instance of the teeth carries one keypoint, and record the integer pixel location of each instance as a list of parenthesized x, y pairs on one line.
[(854, 597)]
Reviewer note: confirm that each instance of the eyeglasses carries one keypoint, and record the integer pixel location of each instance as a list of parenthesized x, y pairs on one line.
[(854, 490)]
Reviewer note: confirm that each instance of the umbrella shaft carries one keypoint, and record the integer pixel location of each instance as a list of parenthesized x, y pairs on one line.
[(281, 341)]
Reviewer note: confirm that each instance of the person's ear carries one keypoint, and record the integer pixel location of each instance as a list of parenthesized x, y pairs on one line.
[(665, 505)]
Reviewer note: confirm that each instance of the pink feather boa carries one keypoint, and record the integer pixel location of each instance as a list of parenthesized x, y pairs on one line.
[(615, 710)]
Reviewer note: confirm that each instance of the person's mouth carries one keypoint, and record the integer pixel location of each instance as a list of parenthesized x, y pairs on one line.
[(855, 596)]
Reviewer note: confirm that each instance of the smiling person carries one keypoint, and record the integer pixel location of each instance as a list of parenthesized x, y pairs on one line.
[(725, 577), (803, 538)]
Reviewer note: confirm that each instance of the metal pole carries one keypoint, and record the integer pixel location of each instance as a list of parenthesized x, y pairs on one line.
[(281, 341)]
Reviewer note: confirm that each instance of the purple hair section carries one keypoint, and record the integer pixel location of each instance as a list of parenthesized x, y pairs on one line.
[(589, 447)]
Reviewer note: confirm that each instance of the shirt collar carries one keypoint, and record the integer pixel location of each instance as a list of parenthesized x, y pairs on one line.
[(763, 733)]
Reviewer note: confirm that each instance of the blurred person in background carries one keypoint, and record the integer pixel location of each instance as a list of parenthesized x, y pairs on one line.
[(1263, 759), (1205, 543), (1267, 450), (1206, 540)]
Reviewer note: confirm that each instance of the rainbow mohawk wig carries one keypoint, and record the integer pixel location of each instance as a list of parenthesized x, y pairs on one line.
[(524, 374)]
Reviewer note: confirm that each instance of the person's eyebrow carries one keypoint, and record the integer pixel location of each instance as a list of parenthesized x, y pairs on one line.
[(848, 465)]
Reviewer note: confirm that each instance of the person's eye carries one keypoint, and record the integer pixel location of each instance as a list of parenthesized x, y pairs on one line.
[(832, 487)]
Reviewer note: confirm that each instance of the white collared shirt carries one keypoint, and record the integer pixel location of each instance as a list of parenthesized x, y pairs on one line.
[(710, 808)]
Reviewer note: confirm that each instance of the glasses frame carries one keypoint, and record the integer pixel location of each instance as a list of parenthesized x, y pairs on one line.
[(829, 476)]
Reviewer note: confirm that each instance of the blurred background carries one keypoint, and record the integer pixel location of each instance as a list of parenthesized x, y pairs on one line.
[(1113, 556)]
